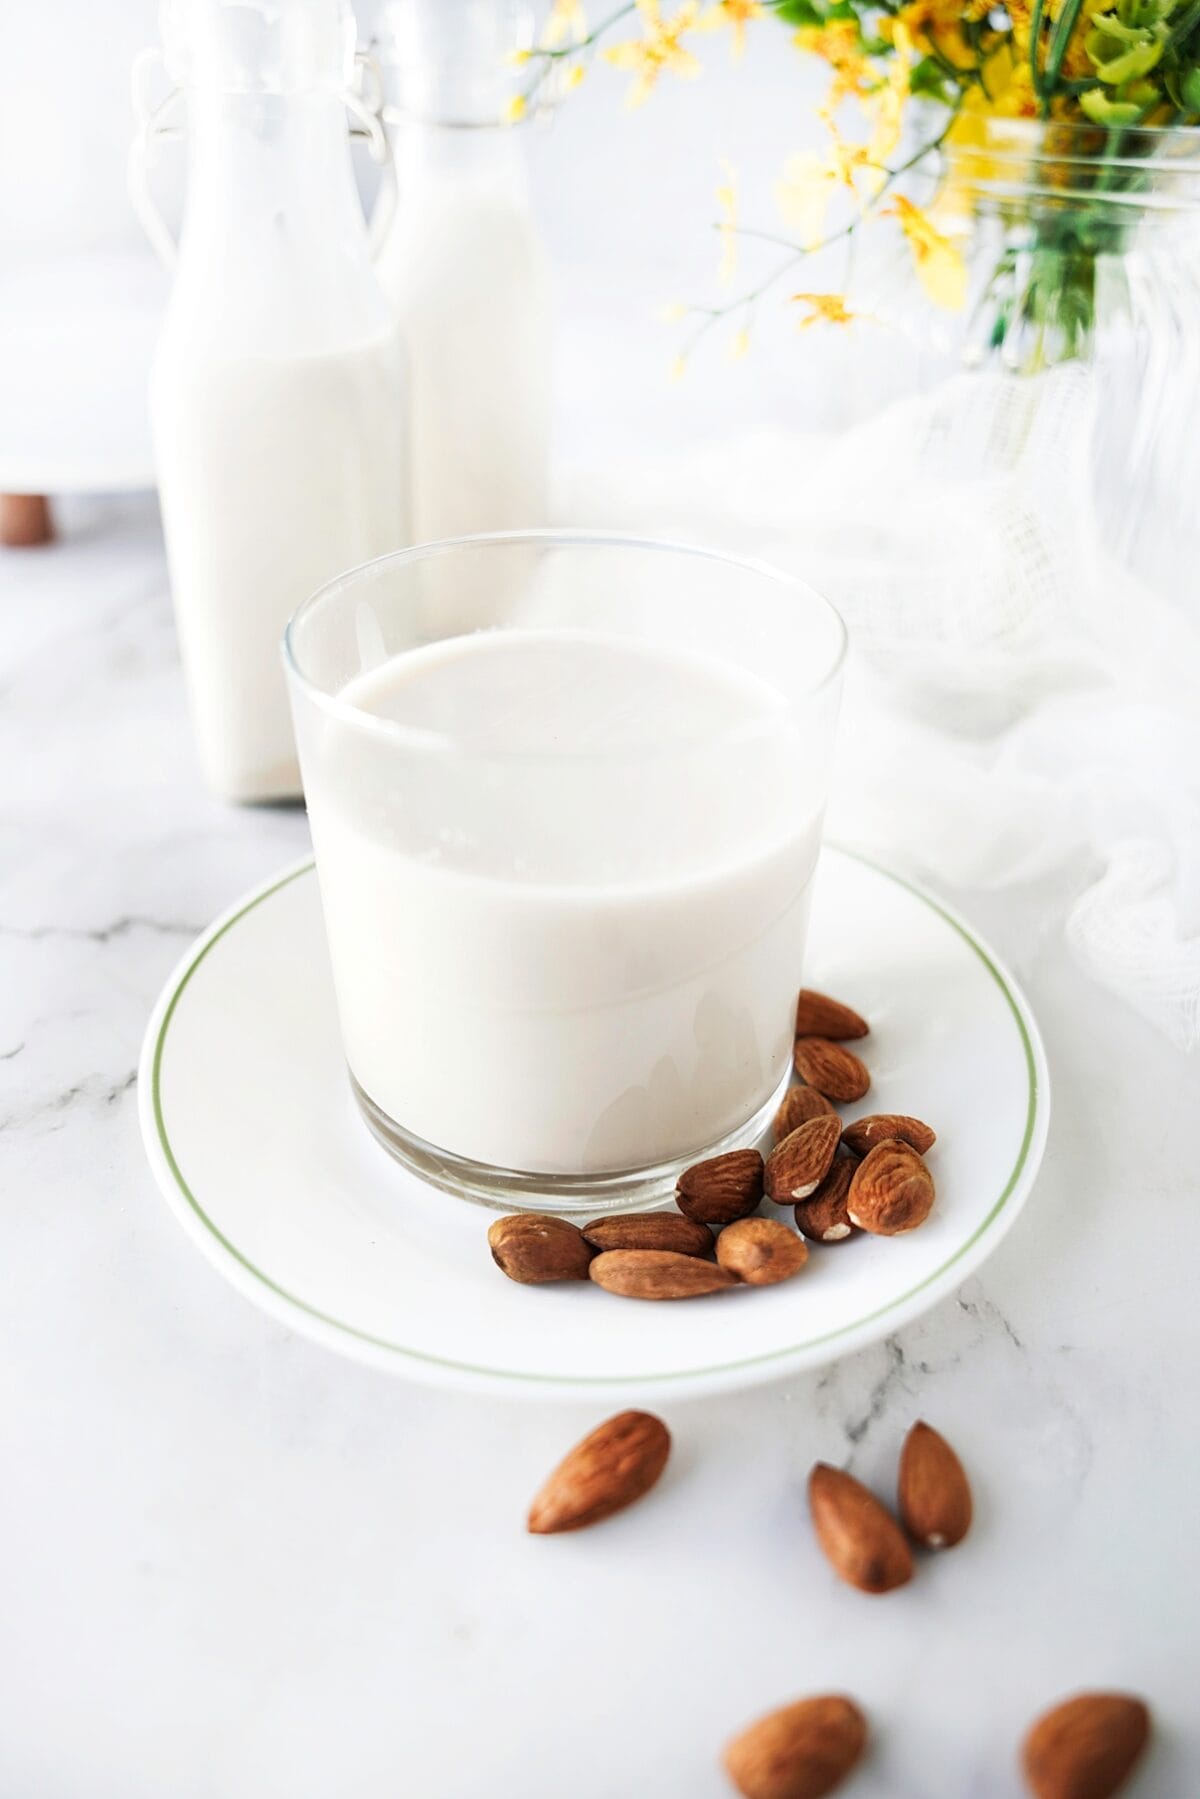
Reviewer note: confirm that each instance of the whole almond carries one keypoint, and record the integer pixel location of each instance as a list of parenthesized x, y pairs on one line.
[(532, 1247), (761, 1251), (612, 1466), (831, 1068), (658, 1274), (798, 1106), (935, 1495), (865, 1133), (859, 1535), (801, 1751), (824, 1217), (650, 1230), (1085, 1748), (892, 1190), (819, 1016), (722, 1188), (797, 1166)]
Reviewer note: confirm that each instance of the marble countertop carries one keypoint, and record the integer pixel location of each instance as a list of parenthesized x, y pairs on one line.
[(240, 1568)]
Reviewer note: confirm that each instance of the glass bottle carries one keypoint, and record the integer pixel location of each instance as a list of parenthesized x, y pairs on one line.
[(278, 396), (465, 269)]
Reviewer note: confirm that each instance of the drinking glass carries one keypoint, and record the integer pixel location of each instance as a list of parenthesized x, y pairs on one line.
[(566, 793)]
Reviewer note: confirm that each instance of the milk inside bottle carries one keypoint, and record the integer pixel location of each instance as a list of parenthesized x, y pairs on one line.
[(278, 397)]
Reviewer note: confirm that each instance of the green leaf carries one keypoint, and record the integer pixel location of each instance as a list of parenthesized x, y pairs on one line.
[(1103, 111), (1190, 87)]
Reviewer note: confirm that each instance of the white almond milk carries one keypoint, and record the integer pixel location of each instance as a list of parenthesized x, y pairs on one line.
[(276, 473), (565, 943)]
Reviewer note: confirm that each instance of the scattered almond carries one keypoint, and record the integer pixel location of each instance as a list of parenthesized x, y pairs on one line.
[(1085, 1748), (892, 1190), (650, 1230), (801, 1751), (614, 1465), (723, 1188), (819, 1016), (658, 1274), (761, 1251), (865, 1133), (859, 1535), (532, 1247), (935, 1495), (798, 1106), (824, 1217), (797, 1166), (831, 1068)]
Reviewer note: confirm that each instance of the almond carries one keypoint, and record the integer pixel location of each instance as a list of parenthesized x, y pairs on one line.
[(859, 1535), (892, 1190), (831, 1068), (532, 1247), (799, 1105), (819, 1016), (657, 1274), (723, 1188), (824, 1217), (1085, 1748), (614, 1465), (800, 1751), (935, 1495), (650, 1230), (797, 1166), (865, 1133), (761, 1251)]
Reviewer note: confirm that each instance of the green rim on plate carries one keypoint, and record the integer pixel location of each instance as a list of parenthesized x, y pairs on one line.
[(574, 1380)]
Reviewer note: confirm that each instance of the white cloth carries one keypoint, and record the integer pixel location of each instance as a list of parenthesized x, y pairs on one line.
[(1023, 711)]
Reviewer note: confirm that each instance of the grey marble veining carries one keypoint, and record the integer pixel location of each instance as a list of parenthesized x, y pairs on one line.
[(239, 1567)]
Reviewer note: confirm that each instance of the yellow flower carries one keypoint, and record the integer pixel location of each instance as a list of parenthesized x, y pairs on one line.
[(838, 44), (940, 267), (727, 206), (828, 309), (935, 26), (657, 49), (516, 109), (672, 312), (566, 20), (885, 105), (739, 346), (804, 194), (574, 75), (677, 369), (734, 13)]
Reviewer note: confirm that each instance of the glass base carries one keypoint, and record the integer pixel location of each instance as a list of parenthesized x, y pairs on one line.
[(506, 1190)]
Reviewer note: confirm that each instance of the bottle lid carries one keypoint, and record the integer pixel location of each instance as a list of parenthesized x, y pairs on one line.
[(452, 62)]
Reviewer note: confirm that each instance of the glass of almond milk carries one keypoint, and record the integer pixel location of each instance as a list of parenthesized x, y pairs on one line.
[(565, 854)]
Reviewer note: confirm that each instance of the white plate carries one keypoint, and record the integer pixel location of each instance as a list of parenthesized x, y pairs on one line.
[(257, 1144)]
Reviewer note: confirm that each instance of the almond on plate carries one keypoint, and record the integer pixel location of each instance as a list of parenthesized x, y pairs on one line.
[(798, 1105), (801, 1751), (658, 1274), (892, 1190), (532, 1247), (819, 1016), (650, 1230), (761, 1251), (824, 1217), (859, 1535), (935, 1495), (611, 1467), (797, 1166), (1085, 1748), (722, 1188), (865, 1133), (831, 1068)]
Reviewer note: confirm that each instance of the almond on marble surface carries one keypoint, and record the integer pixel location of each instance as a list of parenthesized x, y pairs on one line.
[(611, 1467), (935, 1495), (858, 1534), (1086, 1747), (801, 1751)]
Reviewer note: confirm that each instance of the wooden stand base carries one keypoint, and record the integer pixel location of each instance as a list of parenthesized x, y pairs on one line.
[(25, 520)]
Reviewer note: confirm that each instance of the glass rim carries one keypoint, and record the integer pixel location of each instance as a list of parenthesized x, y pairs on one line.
[(446, 742)]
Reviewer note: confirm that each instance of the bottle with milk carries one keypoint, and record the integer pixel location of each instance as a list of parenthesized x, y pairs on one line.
[(464, 266), (278, 396)]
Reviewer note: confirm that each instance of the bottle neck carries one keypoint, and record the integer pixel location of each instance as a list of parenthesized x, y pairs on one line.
[(474, 155), (272, 163)]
